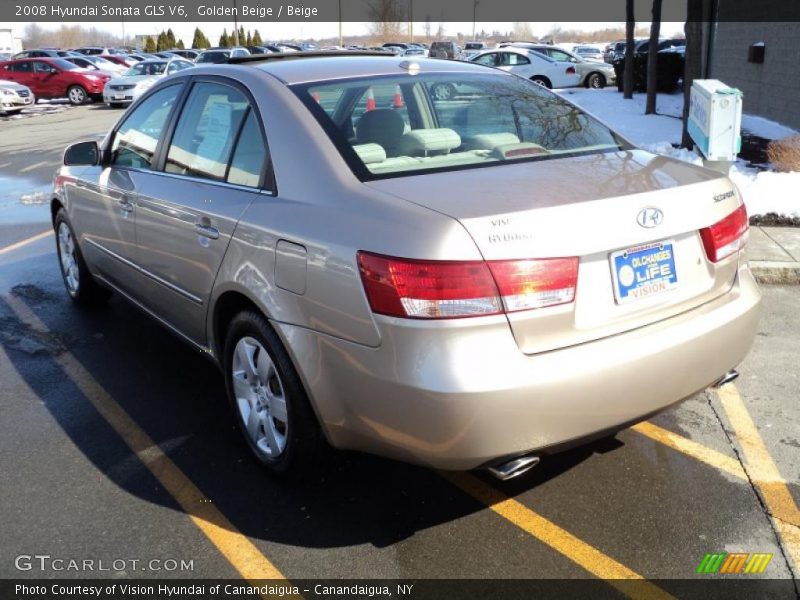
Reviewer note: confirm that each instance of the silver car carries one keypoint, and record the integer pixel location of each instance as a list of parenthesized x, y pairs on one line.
[(14, 97), (127, 87), (468, 283)]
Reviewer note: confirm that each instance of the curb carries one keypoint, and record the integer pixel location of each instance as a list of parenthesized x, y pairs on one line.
[(776, 272)]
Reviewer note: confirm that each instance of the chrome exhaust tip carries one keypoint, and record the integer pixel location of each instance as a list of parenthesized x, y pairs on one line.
[(514, 467), (727, 378)]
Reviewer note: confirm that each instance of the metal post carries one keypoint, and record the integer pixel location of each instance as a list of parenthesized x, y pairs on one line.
[(235, 25), (341, 43), (122, 18), (474, 17), (411, 20)]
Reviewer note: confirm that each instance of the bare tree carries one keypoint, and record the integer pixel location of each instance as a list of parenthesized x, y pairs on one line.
[(630, 26), (427, 28), (387, 18), (35, 36), (652, 59), (523, 32)]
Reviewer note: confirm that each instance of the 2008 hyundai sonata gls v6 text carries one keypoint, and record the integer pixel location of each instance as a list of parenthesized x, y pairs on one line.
[(460, 283)]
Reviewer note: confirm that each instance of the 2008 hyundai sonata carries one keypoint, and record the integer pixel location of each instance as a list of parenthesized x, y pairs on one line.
[(462, 283)]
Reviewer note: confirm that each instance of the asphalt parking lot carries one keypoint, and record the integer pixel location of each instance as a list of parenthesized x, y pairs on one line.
[(116, 444)]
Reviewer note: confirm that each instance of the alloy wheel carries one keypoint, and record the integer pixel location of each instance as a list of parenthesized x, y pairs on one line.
[(260, 397), (68, 258)]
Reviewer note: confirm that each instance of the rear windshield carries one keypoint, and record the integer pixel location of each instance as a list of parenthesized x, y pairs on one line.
[(214, 56), (401, 125), (147, 68)]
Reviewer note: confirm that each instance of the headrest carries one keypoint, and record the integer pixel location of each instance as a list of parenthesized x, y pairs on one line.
[(370, 153), (424, 141), (383, 126)]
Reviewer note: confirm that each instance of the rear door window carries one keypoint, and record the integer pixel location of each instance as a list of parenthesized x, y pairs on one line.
[(206, 131), (511, 59)]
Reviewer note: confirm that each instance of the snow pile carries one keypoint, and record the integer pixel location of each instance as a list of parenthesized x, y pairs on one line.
[(763, 191), (767, 191), (668, 149)]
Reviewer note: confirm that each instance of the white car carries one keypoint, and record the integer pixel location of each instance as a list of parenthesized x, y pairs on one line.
[(530, 65), (14, 97), (139, 78)]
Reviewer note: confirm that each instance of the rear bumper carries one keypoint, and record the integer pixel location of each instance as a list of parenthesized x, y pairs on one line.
[(456, 395)]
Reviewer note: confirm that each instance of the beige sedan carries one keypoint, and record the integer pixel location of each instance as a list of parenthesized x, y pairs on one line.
[(470, 282)]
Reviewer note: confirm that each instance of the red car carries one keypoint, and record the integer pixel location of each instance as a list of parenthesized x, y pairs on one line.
[(55, 78)]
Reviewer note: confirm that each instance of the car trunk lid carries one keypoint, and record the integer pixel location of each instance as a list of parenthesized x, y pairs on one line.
[(588, 207)]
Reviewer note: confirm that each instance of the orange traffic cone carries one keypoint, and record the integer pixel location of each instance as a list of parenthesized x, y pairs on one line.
[(370, 100), (398, 97)]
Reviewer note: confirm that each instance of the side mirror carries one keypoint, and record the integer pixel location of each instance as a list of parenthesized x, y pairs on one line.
[(82, 154)]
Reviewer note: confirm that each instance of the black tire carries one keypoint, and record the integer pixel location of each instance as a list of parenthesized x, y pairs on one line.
[(443, 91), (306, 451), (542, 81), (596, 81), (87, 292), (77, 95), (115, 104)]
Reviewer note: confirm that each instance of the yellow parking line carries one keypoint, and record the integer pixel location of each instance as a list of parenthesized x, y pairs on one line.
[(584, 555), (692, 449), (763, 471), (25, 242), (235, 547)]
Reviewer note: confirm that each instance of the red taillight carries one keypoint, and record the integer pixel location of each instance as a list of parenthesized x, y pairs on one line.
[(570, 70), (727, 236), (403, 287)]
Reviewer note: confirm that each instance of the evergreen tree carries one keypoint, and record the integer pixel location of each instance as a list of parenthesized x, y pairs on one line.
[(199, 40), (179, 45), (162, 43), (248, 40), (170, 38), (241, 36), (257, 39), (149, 45), (224, 40)]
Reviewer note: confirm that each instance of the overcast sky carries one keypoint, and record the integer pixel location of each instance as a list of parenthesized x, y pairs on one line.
[(286, 31)]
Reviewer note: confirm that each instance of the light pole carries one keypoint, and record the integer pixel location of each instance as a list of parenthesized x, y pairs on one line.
[(474, 16), (341, 44), (122, 19), (411, 20), (235, 25)]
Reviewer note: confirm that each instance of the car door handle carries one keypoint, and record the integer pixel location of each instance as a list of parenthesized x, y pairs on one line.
[(206, 231), (125, 206)]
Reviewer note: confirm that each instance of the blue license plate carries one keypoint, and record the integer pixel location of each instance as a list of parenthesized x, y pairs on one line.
[(644, 271)]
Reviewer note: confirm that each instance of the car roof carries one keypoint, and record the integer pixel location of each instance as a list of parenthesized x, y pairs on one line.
[(303, 67)]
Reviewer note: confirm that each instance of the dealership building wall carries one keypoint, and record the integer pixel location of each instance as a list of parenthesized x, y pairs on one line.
[(771, 89)]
